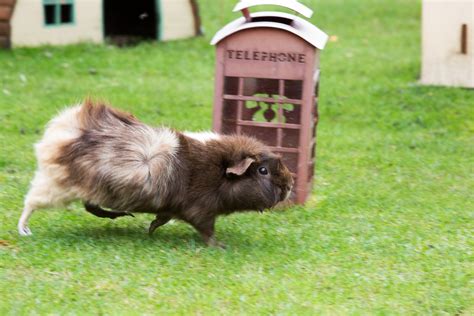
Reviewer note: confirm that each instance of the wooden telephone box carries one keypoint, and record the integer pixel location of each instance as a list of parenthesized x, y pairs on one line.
[(267, 81)]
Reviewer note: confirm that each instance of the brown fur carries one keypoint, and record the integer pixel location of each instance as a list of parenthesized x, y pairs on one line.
[(95, 115), (120, 163)]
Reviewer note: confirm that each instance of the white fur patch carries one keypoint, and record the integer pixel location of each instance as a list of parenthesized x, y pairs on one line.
[(203, 137), (147, 157), (137, 160), (60, 130)]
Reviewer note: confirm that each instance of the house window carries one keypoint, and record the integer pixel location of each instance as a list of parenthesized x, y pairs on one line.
[(57, 12)]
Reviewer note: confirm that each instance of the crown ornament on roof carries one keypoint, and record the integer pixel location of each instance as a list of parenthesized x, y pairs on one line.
[(294, 5), (293, 24)]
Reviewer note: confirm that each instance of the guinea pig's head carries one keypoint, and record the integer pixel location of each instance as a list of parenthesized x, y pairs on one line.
[(256, 181)]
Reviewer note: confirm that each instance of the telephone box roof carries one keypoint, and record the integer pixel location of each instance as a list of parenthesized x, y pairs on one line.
[(296, 25), (290, 4)]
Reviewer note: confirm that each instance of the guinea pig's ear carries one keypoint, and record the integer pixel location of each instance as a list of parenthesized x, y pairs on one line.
[(240, 167)]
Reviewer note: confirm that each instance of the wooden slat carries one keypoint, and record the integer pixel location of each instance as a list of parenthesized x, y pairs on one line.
[(260, 99), (268, 124), (4, 29), (263, 124), (7, 2), (5, 13), (284, 149)]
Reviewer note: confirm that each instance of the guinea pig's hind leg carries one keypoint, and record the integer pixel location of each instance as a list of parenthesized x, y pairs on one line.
[(160, 220), (23, 228), (99, 212), (43, 193)]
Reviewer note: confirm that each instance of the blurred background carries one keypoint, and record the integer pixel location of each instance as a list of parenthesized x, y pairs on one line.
[(386, 230)]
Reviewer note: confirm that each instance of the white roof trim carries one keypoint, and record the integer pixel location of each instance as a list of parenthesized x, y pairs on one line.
[(290, 4), (300, 27)]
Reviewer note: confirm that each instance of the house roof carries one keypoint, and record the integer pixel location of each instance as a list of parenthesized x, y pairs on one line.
[(290, 4), (298, 26)]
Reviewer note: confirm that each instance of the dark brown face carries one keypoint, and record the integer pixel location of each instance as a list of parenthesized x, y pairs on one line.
[(265, 182), (273, 175)]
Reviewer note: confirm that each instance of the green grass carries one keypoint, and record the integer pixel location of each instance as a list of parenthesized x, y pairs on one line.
[(388, 229)]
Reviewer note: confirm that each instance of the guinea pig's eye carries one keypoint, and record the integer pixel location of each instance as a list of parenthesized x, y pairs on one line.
[(263, 170)]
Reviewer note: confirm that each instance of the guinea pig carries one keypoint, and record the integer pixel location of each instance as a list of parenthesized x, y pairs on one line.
[(109, 159)]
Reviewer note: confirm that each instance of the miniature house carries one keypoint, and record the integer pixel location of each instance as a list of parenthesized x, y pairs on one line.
[(267, 75), (37, 22), (448, 43)]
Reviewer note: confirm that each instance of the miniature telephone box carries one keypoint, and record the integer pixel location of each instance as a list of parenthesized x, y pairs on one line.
[(267, 76)]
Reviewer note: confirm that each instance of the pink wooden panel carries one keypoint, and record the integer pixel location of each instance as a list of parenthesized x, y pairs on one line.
[(265, 87), (265, 53)]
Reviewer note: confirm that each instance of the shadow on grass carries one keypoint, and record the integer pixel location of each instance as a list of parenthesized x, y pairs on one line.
[(77, 231), (175, 236)]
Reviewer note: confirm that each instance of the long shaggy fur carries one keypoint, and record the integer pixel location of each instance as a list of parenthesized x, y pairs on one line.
[(108, 158)]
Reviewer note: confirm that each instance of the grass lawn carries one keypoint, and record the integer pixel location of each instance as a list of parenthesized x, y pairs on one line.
[(388, 229)]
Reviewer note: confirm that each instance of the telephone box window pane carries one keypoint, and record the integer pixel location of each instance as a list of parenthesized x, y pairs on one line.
[(267, 135), (292, 113), (229, 129), (314, 129), (230, 110), (311, 172), (291, 138), (291, 161), (49, 14), (259, 87), (250, 110), (231, 85), (314, 107), (260, 111), (294, 89), (66, 13)]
